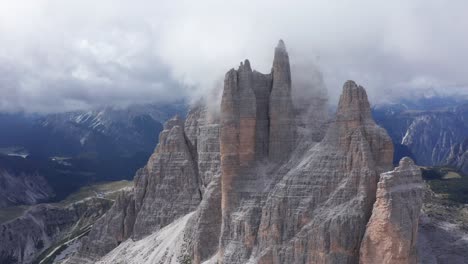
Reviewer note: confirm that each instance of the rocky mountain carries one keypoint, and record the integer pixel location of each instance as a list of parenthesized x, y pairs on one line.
[(25, 238), (247, 186), (392, 231), (23, 189), (21, 184), (431, 132), (458, 157), (53, 155), (106, 131)]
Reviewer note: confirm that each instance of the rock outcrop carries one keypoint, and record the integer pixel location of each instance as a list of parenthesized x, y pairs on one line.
[(391, 233), (167, 187), (110, 230), (282, 127), (426, 132), (239, 189), (24, 238), (318, 211), (322, 197), (172, 184), (458, 157), (23, 188)]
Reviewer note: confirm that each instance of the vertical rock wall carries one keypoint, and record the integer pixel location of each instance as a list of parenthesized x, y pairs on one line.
[(254, 195), (281, 112), (391, 233), (317, 213)]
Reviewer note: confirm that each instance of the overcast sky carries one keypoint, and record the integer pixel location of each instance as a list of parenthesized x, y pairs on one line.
[(58, 55)]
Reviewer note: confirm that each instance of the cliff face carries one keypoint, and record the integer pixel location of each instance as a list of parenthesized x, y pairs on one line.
[(22, 188), (182, 171), (239, 189), (458, 157), (282, 126), (432, 134), (24, 238), (167, 187), (318, 210), (391, 233)]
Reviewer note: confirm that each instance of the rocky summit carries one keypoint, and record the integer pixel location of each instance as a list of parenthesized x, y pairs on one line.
[(243, 186)]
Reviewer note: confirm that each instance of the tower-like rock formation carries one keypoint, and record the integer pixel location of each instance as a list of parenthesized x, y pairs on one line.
[(243, 191), (392, 230), (257, 127), (257, 119), (318, 211), (168, 187), (281, 112)]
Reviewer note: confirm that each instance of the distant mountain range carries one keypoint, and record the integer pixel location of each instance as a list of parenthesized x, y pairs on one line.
[(106, 131), (430, 130), (72, 149)]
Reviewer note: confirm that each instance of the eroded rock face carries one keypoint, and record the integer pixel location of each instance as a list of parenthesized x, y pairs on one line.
[(22, 188), (257, 121), (24, 238), (110, 230), (205, 224), (183, 168), (281, 112), (392, 230), (318, 211), (308, 203), (314, 207), (167, 187), (458, 157)]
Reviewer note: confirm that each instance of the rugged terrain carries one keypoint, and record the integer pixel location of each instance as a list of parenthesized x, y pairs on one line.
[(433, 131), (24, 238), (21, 184), (46, 157), (47, 233), (253, 185)]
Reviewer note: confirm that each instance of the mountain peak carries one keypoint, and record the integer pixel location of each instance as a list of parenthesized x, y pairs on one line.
[(353, 105), (281, 45)]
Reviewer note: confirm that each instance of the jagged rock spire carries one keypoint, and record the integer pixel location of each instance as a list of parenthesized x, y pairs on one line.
[(353, 105), (257, 122), (281, 113), (353, 113), (281, 69)]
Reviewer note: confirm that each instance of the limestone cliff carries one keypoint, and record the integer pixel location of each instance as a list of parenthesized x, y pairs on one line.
[(282, 126), (24, 238), (458, 157), (391, 233), (172, 184), (237, 188), (22, 187)]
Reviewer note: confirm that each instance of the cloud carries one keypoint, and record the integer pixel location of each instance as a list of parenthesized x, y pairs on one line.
[(63, 55)]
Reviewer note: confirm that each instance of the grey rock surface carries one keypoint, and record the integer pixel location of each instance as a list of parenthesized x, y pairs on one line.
[(458, 157), (281, 111), (392, 231), (167, 187), (24, 238), (427, 133), (247, 192), (181, 171), (110, 230), (23, 188), (322, 197), (432, 137)]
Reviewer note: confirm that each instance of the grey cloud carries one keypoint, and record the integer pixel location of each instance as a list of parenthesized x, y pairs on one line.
[(65, 55)]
